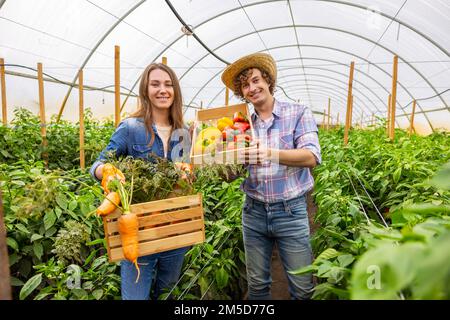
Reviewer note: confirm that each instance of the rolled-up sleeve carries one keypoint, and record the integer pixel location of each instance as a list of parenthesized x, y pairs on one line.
[(306, 134), (118, 142)]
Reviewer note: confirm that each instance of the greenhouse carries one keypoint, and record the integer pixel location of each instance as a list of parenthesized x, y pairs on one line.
[(224, 150)]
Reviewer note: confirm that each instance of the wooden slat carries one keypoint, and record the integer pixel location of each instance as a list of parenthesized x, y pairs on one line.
[(161, 245), (216, 113), (81, 120), (329, 113), (160, 205), (171, 216), (3, 91), (388, 119), (5, 276), (323, 120), (227, 95), (117, 85), (411, 126), (349, 103), (394, 97), (161, 232), (42, 112)]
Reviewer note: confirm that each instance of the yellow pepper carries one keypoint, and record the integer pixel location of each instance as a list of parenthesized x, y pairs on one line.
[(224, 122)]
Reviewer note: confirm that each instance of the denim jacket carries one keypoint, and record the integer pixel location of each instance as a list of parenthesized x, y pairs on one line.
[(132, 139)]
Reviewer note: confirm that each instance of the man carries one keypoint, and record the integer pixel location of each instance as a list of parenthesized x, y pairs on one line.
[(279, 178)]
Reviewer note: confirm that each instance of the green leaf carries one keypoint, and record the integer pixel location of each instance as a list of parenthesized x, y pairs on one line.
[(345, 260), (61, 200), (96, 241), (58, 212), (397, 174), (22, 228), (5, 153), (30, 285), (308, 269), (12, 243), (72, 205), (97, 294), (35, 237), (38, 250), (49, 219), (15, 282), (442, 178), (328, 254), (221, 278)]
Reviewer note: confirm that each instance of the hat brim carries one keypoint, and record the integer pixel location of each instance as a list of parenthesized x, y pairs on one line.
[(262, 61)]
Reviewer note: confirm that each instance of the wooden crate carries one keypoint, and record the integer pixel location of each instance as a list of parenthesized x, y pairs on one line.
[(226, 156), (163, 225)]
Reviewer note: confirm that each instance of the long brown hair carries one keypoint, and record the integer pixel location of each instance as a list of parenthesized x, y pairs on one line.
[(146, 107)]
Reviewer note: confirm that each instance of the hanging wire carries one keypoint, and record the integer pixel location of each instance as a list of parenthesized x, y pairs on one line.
[(370, 198), (428, 98), (204, 266), (187, 269), (357, 195), (210, 285), (87, 88)]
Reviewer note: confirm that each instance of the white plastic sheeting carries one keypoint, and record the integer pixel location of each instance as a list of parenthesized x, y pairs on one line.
[(312, 41)]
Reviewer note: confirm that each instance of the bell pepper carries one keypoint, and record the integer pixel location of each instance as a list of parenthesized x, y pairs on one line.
[(239, 117), (241, 126), (224, 122), (228, 134), (243, 140)]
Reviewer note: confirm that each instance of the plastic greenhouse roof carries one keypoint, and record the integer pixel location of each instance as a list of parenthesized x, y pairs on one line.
[(313, 43)]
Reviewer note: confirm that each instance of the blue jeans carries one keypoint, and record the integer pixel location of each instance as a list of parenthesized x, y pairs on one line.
[(286, 224), (163, 269)]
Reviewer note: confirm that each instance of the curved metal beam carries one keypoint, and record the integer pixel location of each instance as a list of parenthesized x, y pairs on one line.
[(333, 84), (345, 89), (325, 89), (340, 81), (340, 73), (345, 52), (269, 1), (437, 45), (326, 28), (376, 66), (324, 76), (319, 89), (86, 60)]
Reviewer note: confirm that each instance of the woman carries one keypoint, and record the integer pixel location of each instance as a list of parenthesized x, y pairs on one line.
[(156, 128)]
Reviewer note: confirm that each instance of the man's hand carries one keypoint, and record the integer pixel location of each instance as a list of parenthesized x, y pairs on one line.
[(259, 155)]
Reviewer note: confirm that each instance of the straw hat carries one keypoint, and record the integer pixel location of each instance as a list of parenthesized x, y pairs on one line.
[(261, 61)]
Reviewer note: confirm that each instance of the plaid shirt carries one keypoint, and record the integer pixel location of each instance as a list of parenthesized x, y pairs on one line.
[(291, 127)]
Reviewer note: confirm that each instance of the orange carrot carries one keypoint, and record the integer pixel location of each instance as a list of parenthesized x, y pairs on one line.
[(128, 229), (109, 204)]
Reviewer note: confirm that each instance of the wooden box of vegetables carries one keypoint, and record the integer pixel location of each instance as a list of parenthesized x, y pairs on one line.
[(163, 225), (149, 207), (221, 134)]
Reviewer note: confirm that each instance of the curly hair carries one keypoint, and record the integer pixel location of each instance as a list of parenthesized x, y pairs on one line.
[(245, 75)]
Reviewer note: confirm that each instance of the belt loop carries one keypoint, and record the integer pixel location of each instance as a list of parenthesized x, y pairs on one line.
[(287, 208)]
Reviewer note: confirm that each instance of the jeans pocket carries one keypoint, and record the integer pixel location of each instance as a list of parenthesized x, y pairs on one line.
[(298, 207)]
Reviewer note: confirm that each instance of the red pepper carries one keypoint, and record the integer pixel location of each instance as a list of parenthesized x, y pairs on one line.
[(242, 137), (239, 117), (228, 134), (241, 126)]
